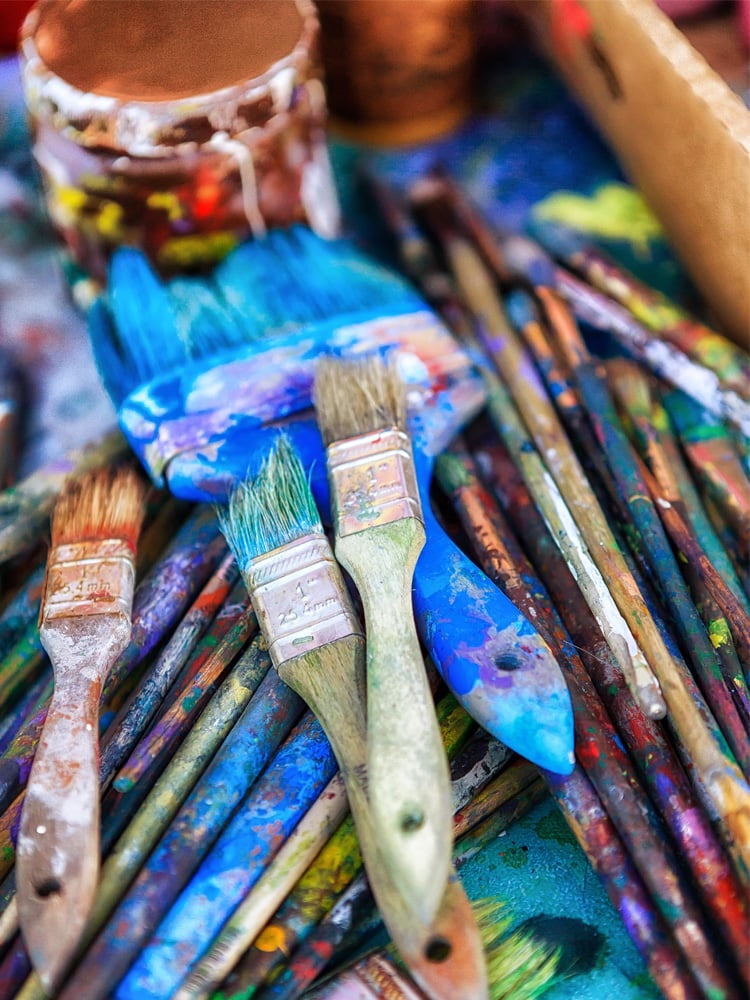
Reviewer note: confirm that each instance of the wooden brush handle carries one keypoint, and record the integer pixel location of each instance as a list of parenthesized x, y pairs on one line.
[(446, 955), (57, 858), (57, 861), (409, 782)]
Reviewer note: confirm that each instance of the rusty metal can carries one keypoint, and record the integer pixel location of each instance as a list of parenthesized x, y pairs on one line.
[(184, 174)]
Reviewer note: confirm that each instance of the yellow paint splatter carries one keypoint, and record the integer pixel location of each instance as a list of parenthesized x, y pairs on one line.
[(614, 211), (183, 251), (167, 200), (272, 938), (718, 632), (66, 204), (109, 220)]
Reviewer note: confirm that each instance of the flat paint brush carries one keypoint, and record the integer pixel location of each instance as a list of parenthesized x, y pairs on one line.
[(85, 624), (150, 820), (336, 300), (317, 646), (538, 690), (379, 533)]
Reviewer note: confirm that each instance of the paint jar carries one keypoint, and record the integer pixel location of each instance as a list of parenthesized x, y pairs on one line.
[(398, 72), (180, 127)]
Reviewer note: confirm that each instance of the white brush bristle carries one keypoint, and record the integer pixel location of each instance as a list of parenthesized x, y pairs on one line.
[(357, 396)]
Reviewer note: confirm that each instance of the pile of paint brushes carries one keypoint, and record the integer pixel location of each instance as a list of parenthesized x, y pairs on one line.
[(222, 812)]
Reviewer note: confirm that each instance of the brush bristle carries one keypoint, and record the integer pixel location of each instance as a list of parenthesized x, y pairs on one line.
[(357, 396), (103, 504), (520, 965), (271, 509)]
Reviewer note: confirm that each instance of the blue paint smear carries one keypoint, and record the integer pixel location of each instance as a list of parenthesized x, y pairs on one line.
[(288, 788)]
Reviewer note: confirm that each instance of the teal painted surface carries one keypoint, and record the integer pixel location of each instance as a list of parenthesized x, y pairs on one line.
[(539, 869)]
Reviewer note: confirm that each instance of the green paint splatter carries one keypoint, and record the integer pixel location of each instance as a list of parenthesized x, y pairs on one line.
[(718, 632), (553, 827), (515, 857), (615, 211)]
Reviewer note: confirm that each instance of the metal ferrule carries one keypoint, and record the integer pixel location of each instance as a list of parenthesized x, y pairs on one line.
[(372, 481), (88, 578), (300, 598)]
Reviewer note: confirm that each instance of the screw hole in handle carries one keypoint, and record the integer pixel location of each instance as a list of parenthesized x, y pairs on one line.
[(49, 887), (438, 949), (412, 818)]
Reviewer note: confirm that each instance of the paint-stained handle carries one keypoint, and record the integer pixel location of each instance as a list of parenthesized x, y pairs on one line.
[(57, 859), (493, 660), (408, 771), (57, 855), (489, 654)]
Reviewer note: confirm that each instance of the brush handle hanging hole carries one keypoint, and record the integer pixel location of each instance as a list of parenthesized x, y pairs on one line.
[(411, 820), (438, 949), (48, 887)]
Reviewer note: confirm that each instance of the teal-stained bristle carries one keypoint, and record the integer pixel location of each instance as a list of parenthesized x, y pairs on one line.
[(264, 288), (205, 324), (245, 280), (117, 373), (147, 328), (272, 508)]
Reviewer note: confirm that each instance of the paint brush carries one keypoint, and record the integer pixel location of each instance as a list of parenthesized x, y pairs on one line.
[(650, 428), (664, 359), (317, 646), (85, 623), (337, 300), (648, 746), (361, 408), (472, 596), (715, 464), (658, 313)]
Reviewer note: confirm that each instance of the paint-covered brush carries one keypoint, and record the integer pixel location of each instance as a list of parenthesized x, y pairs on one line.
[(317, 646), (85, 623), (715, 463), (210, 403), (379, 533), (527, 260), (659, 314)]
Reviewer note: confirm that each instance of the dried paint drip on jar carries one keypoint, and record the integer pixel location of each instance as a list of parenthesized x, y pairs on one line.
[(180, 127)]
